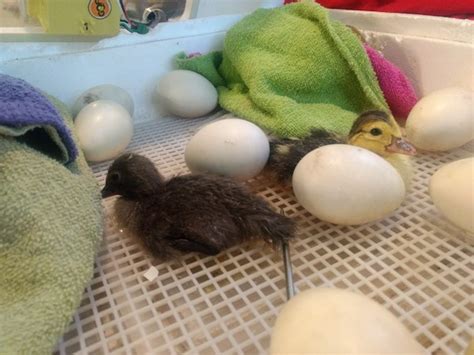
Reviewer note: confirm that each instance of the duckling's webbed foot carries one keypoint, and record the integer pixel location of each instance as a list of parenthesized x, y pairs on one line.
[(271, 227), (187, 245), (208, 233)]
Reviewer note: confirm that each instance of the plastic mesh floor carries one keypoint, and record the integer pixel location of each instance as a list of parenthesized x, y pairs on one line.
[(413, 262)]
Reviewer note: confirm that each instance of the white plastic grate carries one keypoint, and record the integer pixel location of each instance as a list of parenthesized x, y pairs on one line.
[(414, 263)]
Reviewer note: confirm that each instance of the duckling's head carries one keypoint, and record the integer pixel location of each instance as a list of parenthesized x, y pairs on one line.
[(373, 130), (131, 176)]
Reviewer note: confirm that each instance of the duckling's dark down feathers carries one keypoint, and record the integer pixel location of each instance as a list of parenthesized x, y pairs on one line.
[(201, 213), (286, 153)]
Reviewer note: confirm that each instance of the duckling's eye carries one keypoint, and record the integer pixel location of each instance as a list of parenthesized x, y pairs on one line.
[(114, 177), (376, 131)]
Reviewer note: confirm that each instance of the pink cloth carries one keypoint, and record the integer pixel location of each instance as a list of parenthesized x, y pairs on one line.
[(397, 89)]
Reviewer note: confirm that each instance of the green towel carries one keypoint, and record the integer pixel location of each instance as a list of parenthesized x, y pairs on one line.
[(50, 223), (290, 69)]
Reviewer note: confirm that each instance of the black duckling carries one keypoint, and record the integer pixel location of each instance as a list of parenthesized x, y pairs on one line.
[(190, 213), (372, 130)]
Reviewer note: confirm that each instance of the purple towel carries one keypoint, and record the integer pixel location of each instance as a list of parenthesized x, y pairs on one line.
[(396, 87), (27, 114)]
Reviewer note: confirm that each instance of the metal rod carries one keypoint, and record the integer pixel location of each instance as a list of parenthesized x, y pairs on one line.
[(290, 285)]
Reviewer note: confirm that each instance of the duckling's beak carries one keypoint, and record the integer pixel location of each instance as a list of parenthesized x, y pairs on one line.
[(401, 146), (106, 192)]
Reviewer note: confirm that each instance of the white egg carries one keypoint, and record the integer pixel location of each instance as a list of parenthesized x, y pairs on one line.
[(104, 92), (186, 94), (104, 129), (347, 185), (452, 191), (230, 147), (334, 321), (442, 120)]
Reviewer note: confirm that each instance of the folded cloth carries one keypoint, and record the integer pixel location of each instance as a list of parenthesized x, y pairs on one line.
[(50, 223), (458, 8), (27, 113), (396, 88), (290, 69)]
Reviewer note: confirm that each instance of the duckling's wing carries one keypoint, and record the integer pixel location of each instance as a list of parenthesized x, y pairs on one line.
[(286, 153), (204, 233)]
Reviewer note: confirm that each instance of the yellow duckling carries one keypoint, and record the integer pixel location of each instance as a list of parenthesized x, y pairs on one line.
[(372, 130)]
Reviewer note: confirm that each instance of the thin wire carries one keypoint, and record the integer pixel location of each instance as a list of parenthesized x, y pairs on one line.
[(290, 285), (124, 11)]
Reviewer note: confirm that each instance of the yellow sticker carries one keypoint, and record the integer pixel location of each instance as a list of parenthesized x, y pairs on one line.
[(100, 9)]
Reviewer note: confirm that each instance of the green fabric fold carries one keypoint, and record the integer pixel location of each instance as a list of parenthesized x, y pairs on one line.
[(42, 138), (51, 223), (291, 69)]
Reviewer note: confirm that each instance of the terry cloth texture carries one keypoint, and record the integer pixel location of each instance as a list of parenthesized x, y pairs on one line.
[(50, 223), (396, 88), (26, 113), (290, 69)]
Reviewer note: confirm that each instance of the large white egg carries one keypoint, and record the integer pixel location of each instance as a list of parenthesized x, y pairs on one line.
[(186, 94), (104, 129), (230, 147), (470, 348), (104, 92), (347, 185), (334, 321), (452, 191), (442, 120)]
